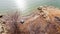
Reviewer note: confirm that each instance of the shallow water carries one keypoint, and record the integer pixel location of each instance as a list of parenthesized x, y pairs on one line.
[(25, 6)]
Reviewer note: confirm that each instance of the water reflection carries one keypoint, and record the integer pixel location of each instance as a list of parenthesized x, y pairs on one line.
[(21, 4), (25, 6)]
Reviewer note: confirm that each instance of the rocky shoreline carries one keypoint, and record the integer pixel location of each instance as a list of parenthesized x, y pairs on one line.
[(43, 20)]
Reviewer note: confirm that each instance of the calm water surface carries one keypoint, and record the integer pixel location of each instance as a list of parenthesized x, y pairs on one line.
[(25, 6)]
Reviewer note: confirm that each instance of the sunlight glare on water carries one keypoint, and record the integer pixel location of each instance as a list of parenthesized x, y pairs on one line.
[(21, 4), (25, 7)]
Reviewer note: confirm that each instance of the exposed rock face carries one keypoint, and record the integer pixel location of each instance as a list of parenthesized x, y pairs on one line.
[(44, 20), (7, 24)]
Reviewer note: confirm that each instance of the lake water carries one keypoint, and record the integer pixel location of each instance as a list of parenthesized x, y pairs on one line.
[(25, 6)]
